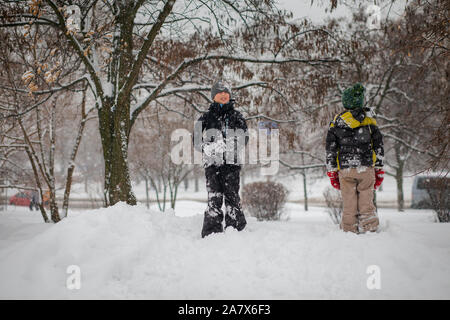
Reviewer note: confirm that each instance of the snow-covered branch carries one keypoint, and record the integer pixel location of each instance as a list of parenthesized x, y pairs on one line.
[(397, 90), (41, 92), (136, 68), (7, 146), (13, 186), (302, 33), (171, 110), (93, 72), (258, 116), (304, 153), (197, 108), (34, 106), (32, 18), (406, 144), (188, 62), (309, 166), (144, 86), (185, 89)]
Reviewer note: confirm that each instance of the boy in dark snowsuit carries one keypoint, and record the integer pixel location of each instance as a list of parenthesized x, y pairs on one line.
[(355, 152), (220, 155)]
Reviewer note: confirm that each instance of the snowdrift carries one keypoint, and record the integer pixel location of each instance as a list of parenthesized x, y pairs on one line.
[(126, 252)]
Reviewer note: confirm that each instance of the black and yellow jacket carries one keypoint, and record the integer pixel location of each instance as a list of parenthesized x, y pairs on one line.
[(354, 140)]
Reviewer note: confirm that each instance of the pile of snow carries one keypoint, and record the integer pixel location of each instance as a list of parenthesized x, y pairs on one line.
[(131, 252)]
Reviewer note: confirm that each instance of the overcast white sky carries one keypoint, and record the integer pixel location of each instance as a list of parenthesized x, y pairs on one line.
[(316, 12)]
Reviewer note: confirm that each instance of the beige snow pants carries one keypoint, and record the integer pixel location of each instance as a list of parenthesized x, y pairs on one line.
[(357, 195)]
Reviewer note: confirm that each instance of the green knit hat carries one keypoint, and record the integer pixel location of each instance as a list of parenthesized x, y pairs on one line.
[(353, 97)]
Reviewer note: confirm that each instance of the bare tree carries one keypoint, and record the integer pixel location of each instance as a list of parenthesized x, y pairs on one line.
[(401, 91), (33, 117), (122, 46), (150, 155)]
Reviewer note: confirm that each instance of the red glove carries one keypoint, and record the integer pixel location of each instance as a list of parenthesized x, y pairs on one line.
[(334, 179), (379, 177)]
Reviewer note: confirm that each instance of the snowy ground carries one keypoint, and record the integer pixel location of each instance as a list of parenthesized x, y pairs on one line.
[(131, 252)]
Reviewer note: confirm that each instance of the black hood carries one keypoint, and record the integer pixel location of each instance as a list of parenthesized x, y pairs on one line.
[(359, 114), (216, 108)]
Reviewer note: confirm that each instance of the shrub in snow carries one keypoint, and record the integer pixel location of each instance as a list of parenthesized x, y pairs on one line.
[(438, 190), (333, 200), (264, 200)]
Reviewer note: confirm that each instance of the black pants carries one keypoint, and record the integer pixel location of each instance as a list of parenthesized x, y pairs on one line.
[(223, 182)]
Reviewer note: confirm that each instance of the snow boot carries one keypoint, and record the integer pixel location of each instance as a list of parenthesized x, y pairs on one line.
[(235, 218), (212, 222)]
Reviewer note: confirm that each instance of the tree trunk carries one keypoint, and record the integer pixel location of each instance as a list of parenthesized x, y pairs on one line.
[(305, 191), (114, 112), (53, 205), (114, 131), (399, 177), (34, 165), (71, 166), (196, 182), (164, 198), (173, 196), (147, 196), (400, 196)]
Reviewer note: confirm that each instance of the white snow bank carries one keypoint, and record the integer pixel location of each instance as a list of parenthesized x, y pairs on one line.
[(131, 252)]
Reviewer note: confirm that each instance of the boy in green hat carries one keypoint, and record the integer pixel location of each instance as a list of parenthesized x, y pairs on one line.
[(355, 152)]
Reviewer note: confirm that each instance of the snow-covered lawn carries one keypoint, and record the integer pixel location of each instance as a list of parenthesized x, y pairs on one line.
[(131, 252)]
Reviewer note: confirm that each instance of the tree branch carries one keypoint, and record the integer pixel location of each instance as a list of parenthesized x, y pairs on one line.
[(188, 62), (136, 68), (388, 135), (78, 48), (310, 166)]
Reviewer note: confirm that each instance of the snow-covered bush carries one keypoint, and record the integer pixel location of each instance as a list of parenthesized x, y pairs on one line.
[(438, 190), (334, 202), (264, 200)]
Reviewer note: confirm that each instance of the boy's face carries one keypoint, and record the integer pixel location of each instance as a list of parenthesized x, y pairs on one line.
[(222, 98)]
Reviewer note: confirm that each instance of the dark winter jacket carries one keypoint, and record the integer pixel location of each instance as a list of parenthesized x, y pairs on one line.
[(221, 118), (354, 140)]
